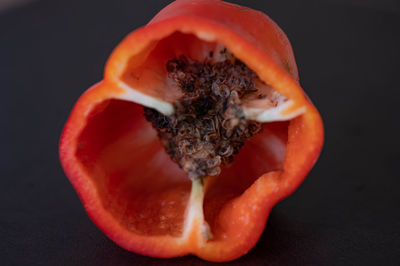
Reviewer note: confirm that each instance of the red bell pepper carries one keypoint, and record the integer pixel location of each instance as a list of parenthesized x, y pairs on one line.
[(127, 183)]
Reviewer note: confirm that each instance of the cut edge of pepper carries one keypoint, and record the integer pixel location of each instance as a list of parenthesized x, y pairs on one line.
[(114, 233)]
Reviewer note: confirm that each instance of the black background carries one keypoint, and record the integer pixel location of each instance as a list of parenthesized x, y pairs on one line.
[(347, 212)]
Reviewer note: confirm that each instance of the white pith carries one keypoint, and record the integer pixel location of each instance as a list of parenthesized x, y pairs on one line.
[(135, 96), (194, 217), (274, 113)]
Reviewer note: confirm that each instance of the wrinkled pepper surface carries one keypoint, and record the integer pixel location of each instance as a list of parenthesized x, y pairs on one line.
[(127, 182)]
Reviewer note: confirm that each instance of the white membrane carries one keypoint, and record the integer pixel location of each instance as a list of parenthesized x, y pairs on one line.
[(145, 100), (273, 113)]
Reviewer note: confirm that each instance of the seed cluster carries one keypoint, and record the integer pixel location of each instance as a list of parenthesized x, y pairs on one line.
[(208, 126)]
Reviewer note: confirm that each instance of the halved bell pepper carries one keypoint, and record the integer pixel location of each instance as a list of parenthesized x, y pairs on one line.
[(128, 184)]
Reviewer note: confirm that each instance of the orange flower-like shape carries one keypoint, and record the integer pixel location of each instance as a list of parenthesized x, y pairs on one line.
[(126, 181)]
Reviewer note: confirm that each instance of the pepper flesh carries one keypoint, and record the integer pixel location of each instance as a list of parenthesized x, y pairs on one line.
[(127, 183)]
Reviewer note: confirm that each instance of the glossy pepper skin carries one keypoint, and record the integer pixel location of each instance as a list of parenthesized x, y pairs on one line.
[(129, 187)]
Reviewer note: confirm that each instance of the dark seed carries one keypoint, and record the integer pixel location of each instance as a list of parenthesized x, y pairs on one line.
[(208, 125)]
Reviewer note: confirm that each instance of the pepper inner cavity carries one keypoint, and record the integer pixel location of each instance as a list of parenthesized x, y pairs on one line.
[(208, 127)]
